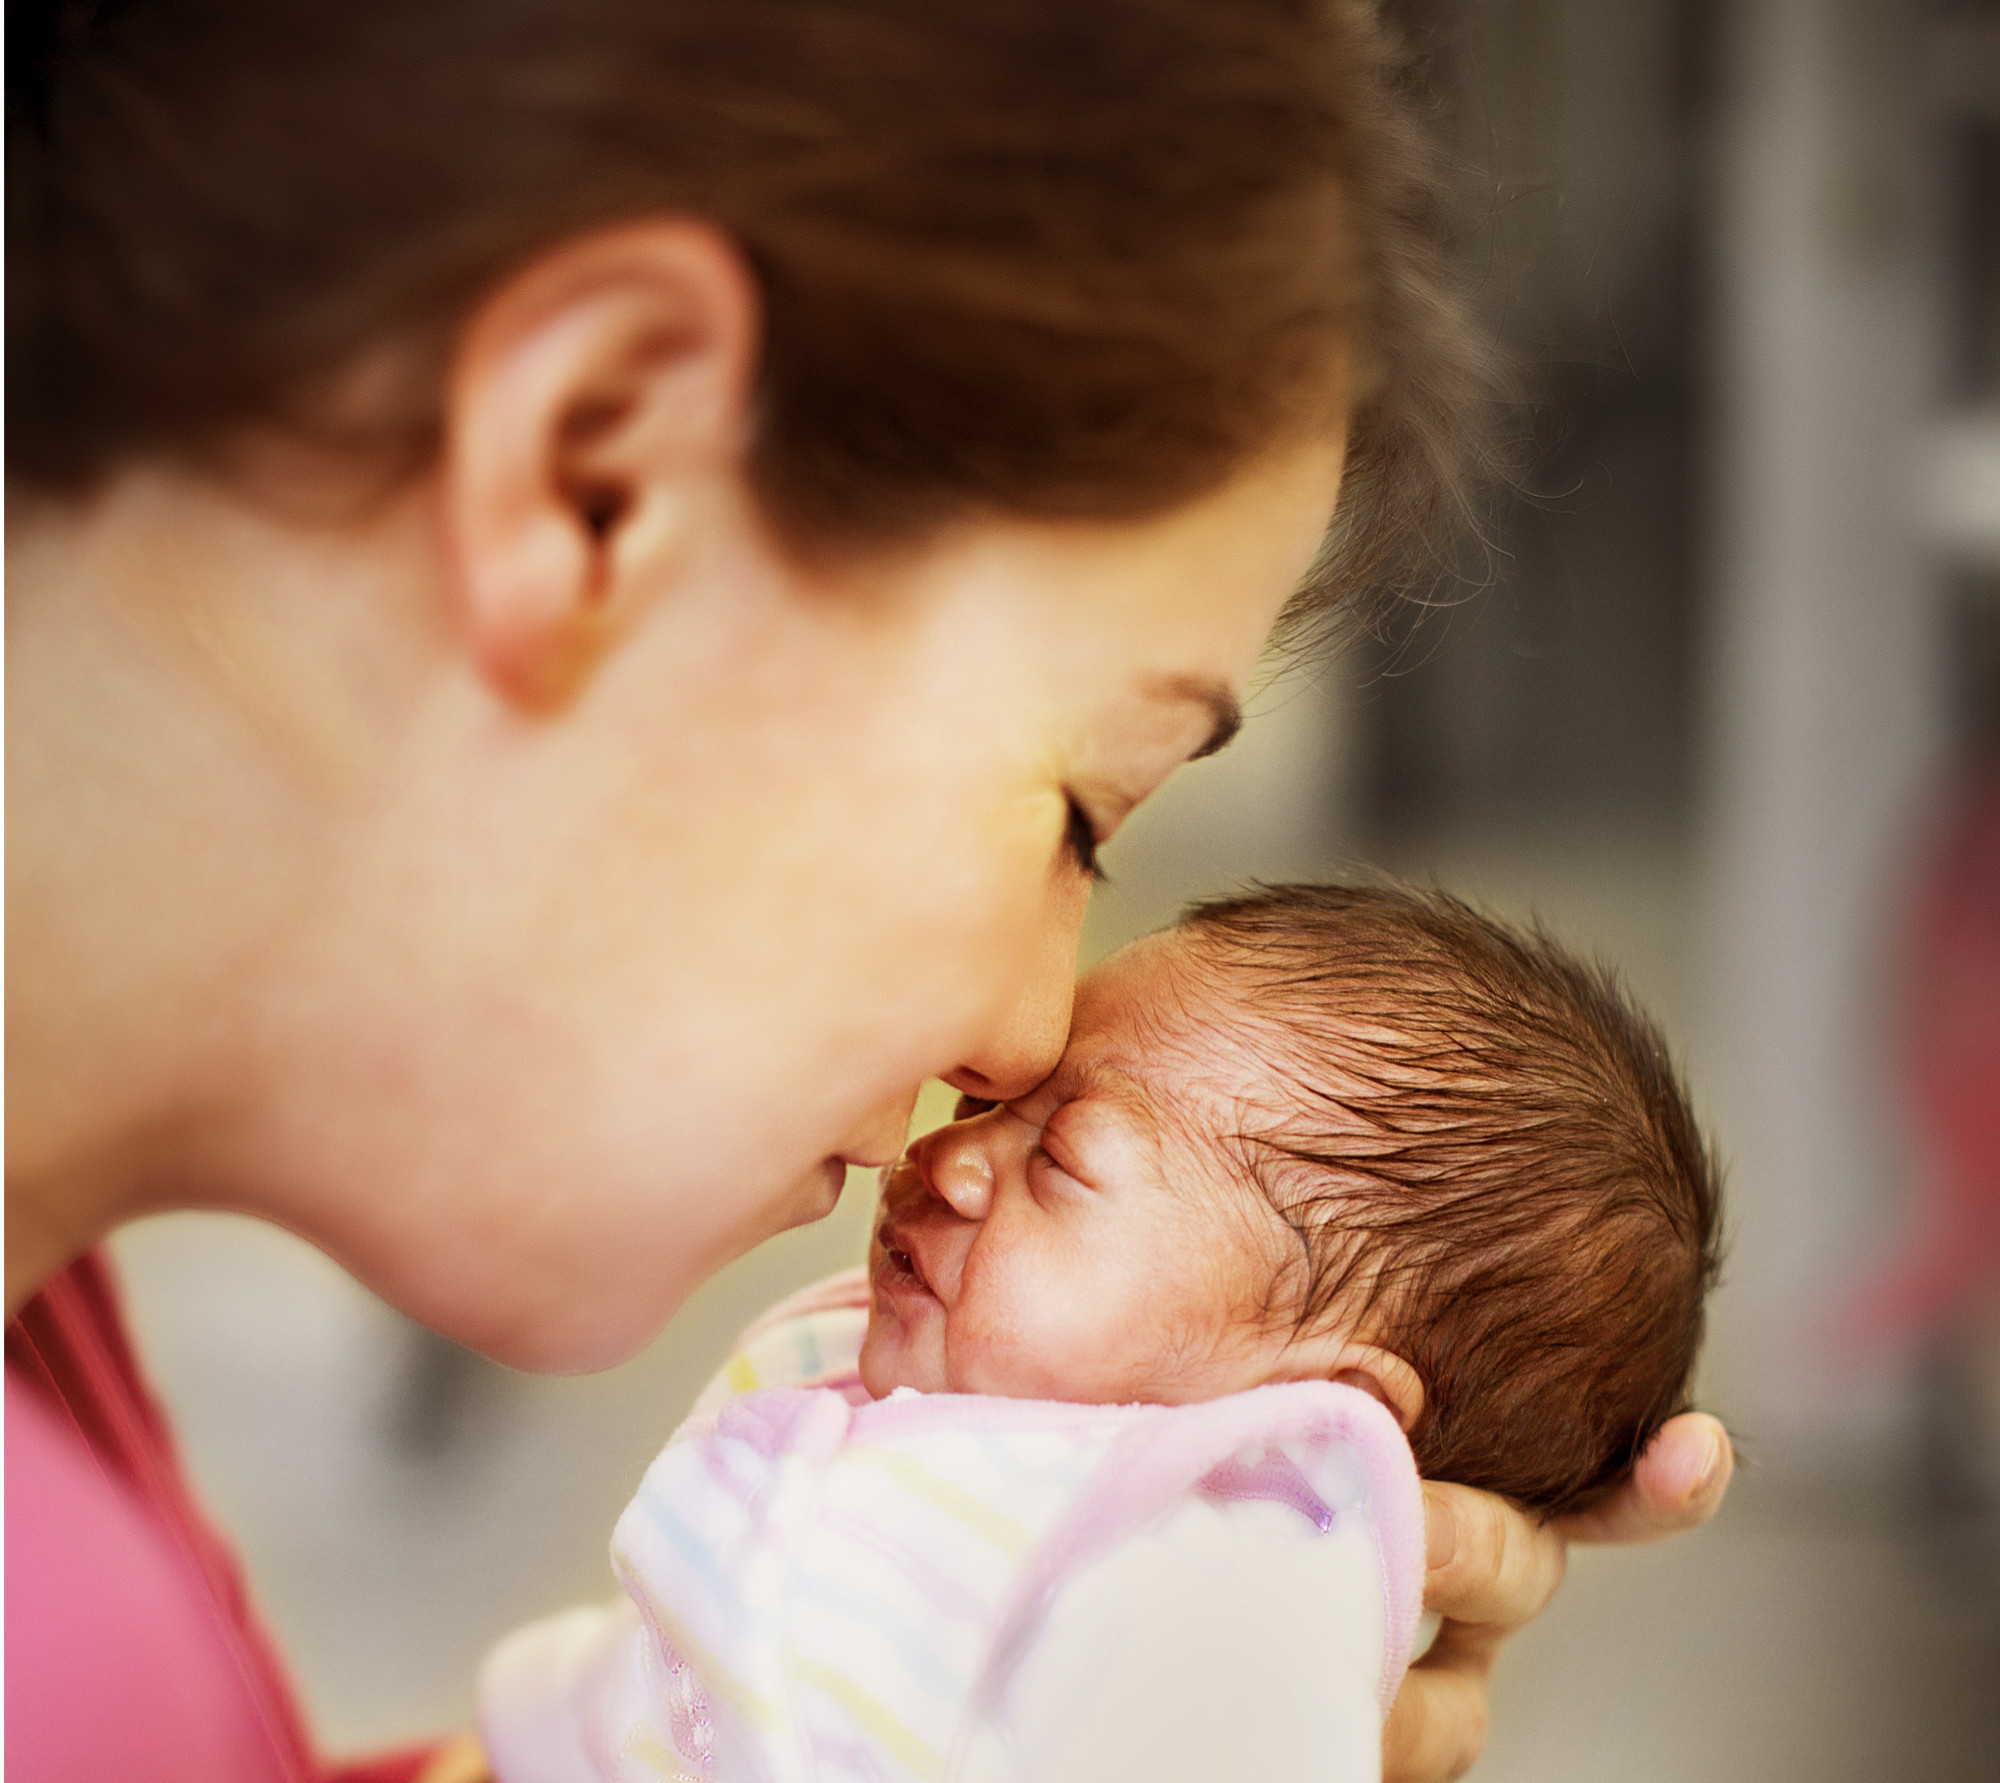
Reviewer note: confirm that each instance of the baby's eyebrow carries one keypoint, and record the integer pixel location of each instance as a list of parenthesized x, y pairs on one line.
[(1071, 1081)]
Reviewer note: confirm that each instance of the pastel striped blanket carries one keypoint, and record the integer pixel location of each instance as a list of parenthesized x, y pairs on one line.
[(946, 1587)]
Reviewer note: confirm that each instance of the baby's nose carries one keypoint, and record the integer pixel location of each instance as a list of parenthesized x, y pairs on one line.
[(961, 1177)]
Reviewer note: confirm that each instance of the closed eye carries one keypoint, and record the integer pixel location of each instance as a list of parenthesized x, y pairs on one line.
[(1080, 838), (1044, 1157), (1040, 1155)]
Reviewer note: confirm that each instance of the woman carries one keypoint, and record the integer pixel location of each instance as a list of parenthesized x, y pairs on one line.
[(586, 580)]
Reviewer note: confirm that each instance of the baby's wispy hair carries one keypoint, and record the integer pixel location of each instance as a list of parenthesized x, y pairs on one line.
[(1492, 1169)]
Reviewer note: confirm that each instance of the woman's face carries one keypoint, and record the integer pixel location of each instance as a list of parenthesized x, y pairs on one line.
[(603, 996)]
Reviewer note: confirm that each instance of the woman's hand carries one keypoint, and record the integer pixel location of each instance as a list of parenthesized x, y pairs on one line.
[(1493, 1570), (459, 1760)]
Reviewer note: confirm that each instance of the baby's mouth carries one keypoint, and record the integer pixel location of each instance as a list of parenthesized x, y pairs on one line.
[(901, 1266)]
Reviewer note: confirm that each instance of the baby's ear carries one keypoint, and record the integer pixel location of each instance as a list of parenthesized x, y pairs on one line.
[(1376, 1371)]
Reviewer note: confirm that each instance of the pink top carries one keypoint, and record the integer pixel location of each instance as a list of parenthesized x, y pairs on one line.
[(132, 1648)]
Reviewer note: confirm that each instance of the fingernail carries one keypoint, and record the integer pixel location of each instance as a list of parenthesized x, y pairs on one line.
[(1440, 1534), (1710, 1468)]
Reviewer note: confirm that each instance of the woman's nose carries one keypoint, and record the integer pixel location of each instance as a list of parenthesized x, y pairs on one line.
[(877, 1138), (958, 1171), (1025, 1045)]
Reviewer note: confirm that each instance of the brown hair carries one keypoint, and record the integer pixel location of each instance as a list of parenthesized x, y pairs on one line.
[(1490, 1164), (1048, 258)]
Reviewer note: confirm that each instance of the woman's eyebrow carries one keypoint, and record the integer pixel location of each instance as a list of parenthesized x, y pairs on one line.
[(1224, 712)]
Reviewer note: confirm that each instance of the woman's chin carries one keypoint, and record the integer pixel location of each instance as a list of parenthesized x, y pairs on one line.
[(551, 1314), (816, 1195), (572, 1340)]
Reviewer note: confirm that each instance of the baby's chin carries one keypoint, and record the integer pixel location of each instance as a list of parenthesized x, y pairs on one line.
[(892, 1356), (904, 1346)]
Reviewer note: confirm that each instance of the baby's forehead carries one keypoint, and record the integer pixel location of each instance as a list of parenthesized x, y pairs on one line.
[(1156, 990), (1157, 1023), (1160, 1049), (1178, 1018)]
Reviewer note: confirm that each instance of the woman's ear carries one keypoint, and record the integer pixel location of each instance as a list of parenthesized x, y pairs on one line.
[(594, 397), (1376, 1371)]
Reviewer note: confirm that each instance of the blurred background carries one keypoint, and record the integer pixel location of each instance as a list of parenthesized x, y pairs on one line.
[(1725, 710)]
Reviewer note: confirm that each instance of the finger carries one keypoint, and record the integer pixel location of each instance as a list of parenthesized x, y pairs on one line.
[(1437, 1727), (1468, 1647), (1490, 1564), (460, 1760), (1677, 1486)]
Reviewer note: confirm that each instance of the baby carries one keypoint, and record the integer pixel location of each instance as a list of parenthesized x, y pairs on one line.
[(1112, 1433)]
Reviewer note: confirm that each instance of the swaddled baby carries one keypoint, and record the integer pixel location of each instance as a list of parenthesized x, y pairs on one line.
[(1108, 1465)]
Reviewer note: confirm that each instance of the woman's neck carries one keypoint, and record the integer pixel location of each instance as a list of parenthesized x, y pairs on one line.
[(168, 780)]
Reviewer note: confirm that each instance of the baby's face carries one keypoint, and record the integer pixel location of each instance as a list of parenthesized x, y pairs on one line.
[(1094, 1240)]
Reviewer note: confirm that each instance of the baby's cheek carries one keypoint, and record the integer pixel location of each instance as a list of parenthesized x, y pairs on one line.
[(998, 1340), (1031, 1339)]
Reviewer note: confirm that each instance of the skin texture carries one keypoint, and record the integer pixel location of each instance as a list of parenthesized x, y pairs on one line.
[(540, 868), (1092, 1240)]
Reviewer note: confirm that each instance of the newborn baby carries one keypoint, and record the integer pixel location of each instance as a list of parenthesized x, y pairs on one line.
[(1101, 1468), (1328, 1132)]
